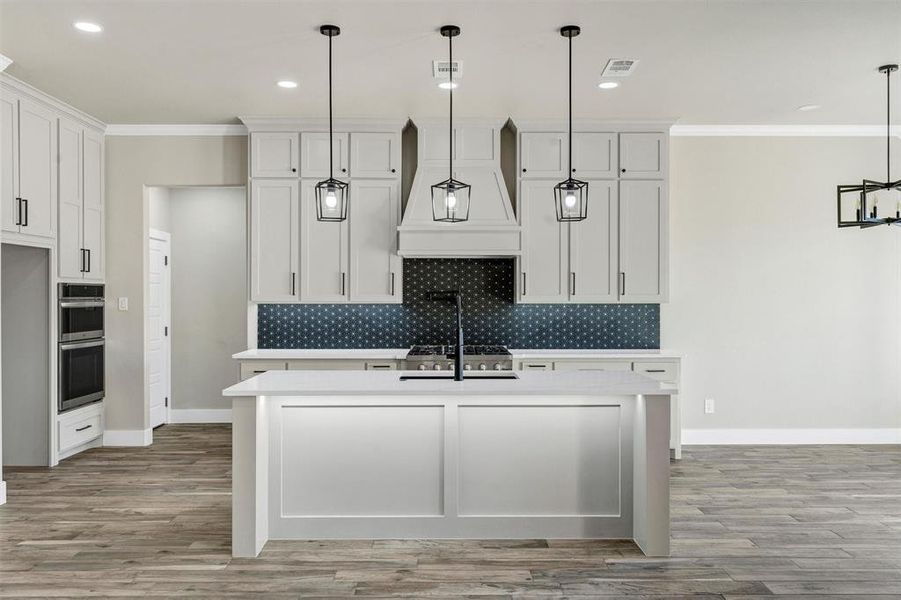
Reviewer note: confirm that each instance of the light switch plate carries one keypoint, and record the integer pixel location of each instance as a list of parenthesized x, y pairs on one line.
[(709, 407), (123, 303)]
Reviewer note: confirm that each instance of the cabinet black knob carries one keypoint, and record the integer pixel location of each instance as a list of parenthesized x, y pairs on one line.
[(623, 170), (294, 170), (574, 170), (394, 170), (344, 170), (523, 170)]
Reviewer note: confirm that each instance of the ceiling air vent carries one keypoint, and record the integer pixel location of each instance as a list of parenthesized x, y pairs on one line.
[(619, 67), (442, 68)]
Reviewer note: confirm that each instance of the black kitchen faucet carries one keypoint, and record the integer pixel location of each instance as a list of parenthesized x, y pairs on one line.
[(457, 298)]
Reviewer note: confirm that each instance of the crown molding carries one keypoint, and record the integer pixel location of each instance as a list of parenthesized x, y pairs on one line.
[(782, 130), (182, 129), (22, 89), (282, 124)]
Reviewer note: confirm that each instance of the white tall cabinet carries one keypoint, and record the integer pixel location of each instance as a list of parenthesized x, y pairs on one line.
[(296, 258), (80, 248), (619, 253)]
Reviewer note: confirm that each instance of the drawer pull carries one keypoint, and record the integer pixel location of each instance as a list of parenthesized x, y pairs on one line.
[(82, 428), (655, 370), (258, 372), (379, 366)]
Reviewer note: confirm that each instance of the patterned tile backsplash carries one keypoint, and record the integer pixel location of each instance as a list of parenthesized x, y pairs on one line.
[(489, 315)]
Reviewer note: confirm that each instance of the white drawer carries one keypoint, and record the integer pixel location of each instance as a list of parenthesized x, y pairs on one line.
[(661, 371), (252, 368), (592, 365), (79, 431), (537, 365), (381, 365)]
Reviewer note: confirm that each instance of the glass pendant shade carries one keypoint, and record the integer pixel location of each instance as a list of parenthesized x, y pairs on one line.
[(331, 200), (871, 203), (571, 198), (450, 201)]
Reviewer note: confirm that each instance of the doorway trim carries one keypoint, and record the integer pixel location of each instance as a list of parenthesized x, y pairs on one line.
[(166, 239)]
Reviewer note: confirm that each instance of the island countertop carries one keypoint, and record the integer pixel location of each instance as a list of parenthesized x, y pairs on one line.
[(388, 383)]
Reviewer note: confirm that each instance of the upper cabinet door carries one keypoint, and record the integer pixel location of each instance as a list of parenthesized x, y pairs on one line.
[(643, 241), (9, 163), (37, 169), (593, 247), (594, 155), (374, 155), (375, 267), (314, 155), (274, 240), (642, 155), (323, 252), (543, 266), (543, 155), (274, 155), (72, 260), (93, 238)]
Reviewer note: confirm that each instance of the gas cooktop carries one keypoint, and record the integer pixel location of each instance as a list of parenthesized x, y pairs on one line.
[(469, 349)]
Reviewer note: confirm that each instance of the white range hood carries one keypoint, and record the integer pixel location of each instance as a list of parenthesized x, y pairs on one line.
[(492, 229)]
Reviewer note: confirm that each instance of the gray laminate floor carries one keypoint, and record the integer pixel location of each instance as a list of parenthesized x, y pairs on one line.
[(748, 522)]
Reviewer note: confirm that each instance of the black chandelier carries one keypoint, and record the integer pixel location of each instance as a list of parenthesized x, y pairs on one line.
[(571, 195), (867, 212), (450, 198), (332, 195)]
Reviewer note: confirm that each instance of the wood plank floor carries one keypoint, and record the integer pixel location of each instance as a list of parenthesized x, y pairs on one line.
[(748, 523)]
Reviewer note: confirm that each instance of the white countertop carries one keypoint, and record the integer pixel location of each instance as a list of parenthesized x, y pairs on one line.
[(400, 353), (388, 383)]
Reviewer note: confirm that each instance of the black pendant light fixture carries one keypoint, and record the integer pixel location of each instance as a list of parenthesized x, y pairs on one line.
[(571, 195), (450, 198), (868, 212), (332, 195)]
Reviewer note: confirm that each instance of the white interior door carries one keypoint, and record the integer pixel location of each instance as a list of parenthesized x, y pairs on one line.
[(157, 327)]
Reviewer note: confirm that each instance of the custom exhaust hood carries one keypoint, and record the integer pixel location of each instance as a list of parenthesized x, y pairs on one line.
[(492, 229)]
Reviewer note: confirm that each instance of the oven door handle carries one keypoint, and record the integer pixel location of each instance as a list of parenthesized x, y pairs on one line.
[(81, 303), (77, 345)]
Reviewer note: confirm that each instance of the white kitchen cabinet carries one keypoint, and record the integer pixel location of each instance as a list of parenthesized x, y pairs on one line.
[(642, 155), (374, 155), (543, 265), (314, 155), (274, 219), (473, 144), (323, 252), (9, 163), (594, 155), (543, 155), (375, 268), (93, 237), (29, 159), (643, 241), (80, 240), (274, 154), (71, 203), (593, 247)]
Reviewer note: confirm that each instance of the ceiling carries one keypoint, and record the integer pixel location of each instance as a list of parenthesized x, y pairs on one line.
[(701, 62)]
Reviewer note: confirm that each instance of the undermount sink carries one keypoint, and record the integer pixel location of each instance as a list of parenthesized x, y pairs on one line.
[(449, 376)]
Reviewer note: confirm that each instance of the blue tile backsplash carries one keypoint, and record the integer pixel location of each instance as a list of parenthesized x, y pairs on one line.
[(489, 315)]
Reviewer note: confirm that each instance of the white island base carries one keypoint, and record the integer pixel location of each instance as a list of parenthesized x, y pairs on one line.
[(363, 455)]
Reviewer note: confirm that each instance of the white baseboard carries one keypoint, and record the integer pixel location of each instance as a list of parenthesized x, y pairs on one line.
[(2, 492), (730, 437), (127, 437), (200, 415)]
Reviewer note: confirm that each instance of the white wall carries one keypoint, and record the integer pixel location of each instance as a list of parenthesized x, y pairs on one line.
[(132, 164), (209, 293), (785, 320)]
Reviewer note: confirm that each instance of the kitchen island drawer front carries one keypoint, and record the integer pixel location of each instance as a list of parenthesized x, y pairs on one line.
[(592, 365), (661, 371), (80, 430), (537, 365), (252, 368)]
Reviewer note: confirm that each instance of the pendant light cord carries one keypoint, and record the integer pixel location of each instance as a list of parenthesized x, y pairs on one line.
[(450, 136), (570, 108), (331, 171), (888, 126)]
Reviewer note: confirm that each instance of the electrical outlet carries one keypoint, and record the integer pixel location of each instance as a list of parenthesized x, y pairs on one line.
[(123, 303), (709, 407)]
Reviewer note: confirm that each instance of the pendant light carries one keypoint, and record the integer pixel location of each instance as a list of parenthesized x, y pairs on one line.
[(450, 198), (868, 212), (571, 195), (332, 195)]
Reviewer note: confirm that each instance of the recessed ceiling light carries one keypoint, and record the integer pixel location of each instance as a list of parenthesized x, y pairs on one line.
[(448, 85), (608, 85), (807, 107), (88, 27), (287, 84)]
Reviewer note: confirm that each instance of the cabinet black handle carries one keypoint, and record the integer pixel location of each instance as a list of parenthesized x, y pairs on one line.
[(82, 428), (82, 260), (88, 251), (655, 370), (18, 211), (293, 281), (25, 220)]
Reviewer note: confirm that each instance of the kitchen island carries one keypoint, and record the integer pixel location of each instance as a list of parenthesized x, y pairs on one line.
[(364, 454)]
